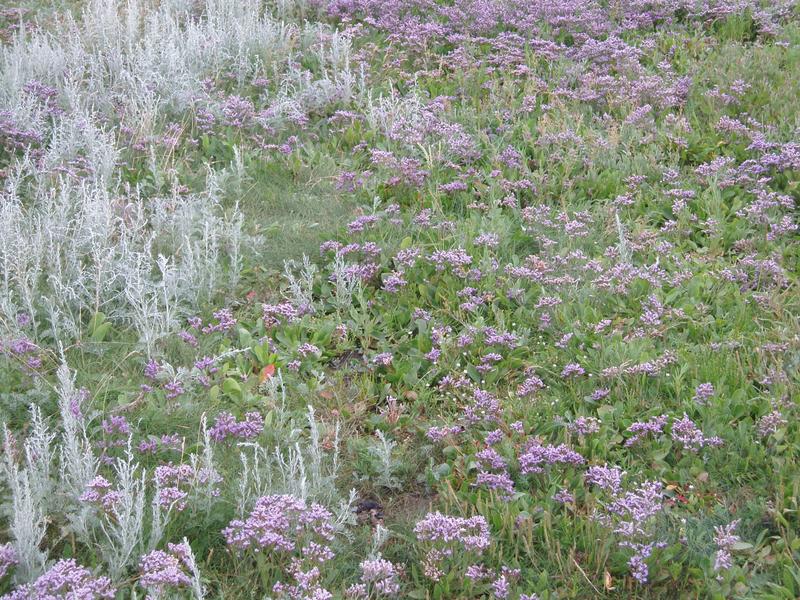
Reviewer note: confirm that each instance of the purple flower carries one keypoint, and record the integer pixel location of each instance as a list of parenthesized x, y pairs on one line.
[(584, 425), (703, 392), (8, 559), (116, 425), (306, 349), (225, 321), (276, 524), (653, 426), (456, 258), (65, 579), (685, 432), (725, 539), (226, 426), (472, 533), (770, 423), (379, 579), (572, 370), (564, 497), (500, 482), (605, 477), (163, 571), (536, 457), (437, 434), (384, 358)]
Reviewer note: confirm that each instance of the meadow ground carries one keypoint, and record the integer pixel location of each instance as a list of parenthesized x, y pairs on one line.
[(399, 299)]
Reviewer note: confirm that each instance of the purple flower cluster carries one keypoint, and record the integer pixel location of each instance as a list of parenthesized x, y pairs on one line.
[(606, 478), (631, 516), (226, 426), (99, 493), (725, 539), (65, 579), (163, 571), (471, 533), (455, 258), (653, 426), (686, 433), (703, 393), (274, 313), (536, 457), (225, 322), (770, 423), (8, 559), (277, 524), (380, 578)]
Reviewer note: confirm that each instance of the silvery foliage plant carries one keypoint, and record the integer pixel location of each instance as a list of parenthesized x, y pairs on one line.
[(75, 240)]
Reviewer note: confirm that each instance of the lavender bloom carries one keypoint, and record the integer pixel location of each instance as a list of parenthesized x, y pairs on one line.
[(630, 513), (529, 386), (770, 423), (306, 349), (65, 579), (272, 312), (689, 435), (725, 539), (653, 426), (477, 573), (227, 426), (99, 493), (437, 434), (379, 579), (572, 370), (172, 482), (490, 240), (703, 392), (584, 425), (605, 477), (485, 407), (384, 358), (536, 457), (163, 571), (8, 559), (152, 369), (564, 497), (116, 425), (456, 258), (500, 482), (174, 389), (472, 533), (276, 523), (225, 322)]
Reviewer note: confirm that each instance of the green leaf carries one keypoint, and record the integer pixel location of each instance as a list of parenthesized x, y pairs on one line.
[(101, 331), (231, 387)]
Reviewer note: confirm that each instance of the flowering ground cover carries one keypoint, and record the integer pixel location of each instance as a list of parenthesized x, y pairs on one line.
[(399, 299)]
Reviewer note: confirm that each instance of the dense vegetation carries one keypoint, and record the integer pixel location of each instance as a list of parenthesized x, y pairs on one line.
[(399, 298)]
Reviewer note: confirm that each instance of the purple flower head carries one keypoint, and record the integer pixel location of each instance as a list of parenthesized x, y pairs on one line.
[(8, 559), (725, 539), (686, 433), (572, 370), (536, 457), (226, 426), (65, 579), (163, 572), (770, 423), (471, 533), (703, 392), (653, 426), (605, 477), (276, 523)]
